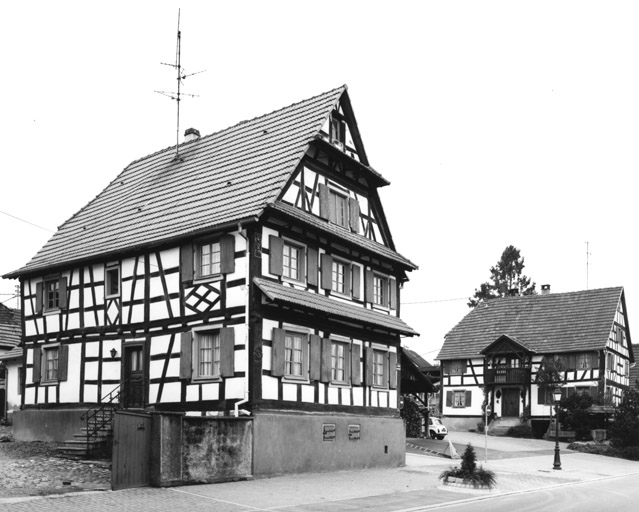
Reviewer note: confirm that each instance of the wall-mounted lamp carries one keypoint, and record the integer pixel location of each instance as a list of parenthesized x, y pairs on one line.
[(114, 353)]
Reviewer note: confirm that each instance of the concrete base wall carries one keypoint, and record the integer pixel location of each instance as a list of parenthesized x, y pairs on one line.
[(50, 425), (298, 443), (465, 424)]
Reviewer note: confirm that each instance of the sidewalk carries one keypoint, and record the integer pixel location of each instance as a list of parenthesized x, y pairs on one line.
[(413, 487)]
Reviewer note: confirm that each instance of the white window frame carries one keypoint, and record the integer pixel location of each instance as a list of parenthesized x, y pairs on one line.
[(335, 196), (340, 352), (44, 365), (55, 281), (461, 403), (380, 380), (290, 351), (199, 336), (301, 255), (335, 281), (215, 267), (109, 269), (380, 290)]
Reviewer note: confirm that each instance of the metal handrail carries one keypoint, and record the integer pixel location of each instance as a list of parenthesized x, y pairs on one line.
[(107, 403)]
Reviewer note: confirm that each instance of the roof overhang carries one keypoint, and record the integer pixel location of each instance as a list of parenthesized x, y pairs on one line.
[(413, 380), (506, 344), (324, 307)]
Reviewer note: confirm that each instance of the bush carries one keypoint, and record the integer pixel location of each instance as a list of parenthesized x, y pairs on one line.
[(624, 430), (520, 431), (413, 417), (469, 473), (630, 452)]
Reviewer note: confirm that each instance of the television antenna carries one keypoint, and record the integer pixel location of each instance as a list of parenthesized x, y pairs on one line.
[(587, 262), (181, 75)]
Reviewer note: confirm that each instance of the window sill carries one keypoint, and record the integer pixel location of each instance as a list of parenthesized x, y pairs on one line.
[(206, 380), (292, 379), (51, 312), (207, 279), (49, 382), (114, 296)]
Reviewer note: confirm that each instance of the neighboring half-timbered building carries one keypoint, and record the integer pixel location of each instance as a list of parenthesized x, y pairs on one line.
[(10, 359), (495, 353), (255, 272)]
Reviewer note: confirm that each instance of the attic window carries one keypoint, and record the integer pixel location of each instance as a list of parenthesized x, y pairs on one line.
[(338, 129)]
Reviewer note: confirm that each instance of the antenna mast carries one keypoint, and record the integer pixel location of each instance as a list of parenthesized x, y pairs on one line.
[(177, 96), (587, 262)]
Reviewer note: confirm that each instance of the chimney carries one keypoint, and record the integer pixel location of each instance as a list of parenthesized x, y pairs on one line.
[(545, 289), (191, 134)]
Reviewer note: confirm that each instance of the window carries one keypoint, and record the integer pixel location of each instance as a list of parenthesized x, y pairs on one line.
[(50, 363), (455, 367), (338, 205), (210, 259), (459, 398), (112, 280), (378, 368), (379, 290), (292, 261), (293, 355), (207, 259), (207, 354), (338, 277), (337, 131), (51, 295), (340, 363)]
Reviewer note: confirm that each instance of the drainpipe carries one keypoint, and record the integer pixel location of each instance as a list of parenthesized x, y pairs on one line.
[(237, 410)]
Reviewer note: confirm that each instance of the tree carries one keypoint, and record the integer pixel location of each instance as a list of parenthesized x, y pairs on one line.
[(506, 275), (624, 431)]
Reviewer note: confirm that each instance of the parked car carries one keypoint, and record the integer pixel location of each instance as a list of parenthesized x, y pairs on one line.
[(436, 428)]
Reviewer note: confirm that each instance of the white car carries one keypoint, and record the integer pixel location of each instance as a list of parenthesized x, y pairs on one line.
[(436, 428)]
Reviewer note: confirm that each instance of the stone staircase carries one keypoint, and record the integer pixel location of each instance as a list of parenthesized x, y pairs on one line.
[(94, 438), (500, 426)]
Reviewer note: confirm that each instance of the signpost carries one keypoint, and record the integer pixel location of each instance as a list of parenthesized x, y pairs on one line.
[(488, 410)]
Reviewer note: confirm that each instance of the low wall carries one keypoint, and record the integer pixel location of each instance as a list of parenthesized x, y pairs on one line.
[(297, 443), (461, 424), (194, 449), (50, 425)]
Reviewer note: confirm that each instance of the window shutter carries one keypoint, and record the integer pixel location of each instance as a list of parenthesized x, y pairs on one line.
[(353, 207), (227, 254), (347, 279), (369, 367), (316, 356), (324, 203), (63, 362), (186, 262), (356, 378), (62, 297), (392, 370), (593, 360), (227, 352), (311, 277), (356, 281), (186, 358), (39, 297), (469, 398), (327, 271), (594, 393), (325, 371), (277, 359), (449, 398), (276, 254), (571, 360), (369, 286), (392, 285), (464, 365), (37, 361)]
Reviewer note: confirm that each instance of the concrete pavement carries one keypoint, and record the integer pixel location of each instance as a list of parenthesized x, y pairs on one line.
[(411, 488)]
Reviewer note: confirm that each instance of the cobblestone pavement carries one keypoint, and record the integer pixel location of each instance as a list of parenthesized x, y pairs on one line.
[(35, 469)]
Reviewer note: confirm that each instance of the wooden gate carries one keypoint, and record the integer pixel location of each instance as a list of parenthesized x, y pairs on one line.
[(131, 450)]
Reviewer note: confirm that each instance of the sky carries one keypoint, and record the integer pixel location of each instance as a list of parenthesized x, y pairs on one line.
[(497, 123)]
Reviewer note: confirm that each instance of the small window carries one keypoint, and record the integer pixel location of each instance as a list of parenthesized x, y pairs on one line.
[(340, 362), (379, 368), (50, 364), (338, 204), (112, 281), (459, 398), (207, 355), (338, 282), (337, 131), (380, 287), (210, 259), (294, 354), (292, 261), (51, 294)]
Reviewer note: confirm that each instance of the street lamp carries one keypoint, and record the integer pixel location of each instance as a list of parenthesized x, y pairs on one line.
[(556, 395)]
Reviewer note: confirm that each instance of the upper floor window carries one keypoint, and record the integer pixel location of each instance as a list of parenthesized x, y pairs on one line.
[(112, 280), (454, 367), (292, 261), (208, 258), (339, 362), (338, 204), (51, 294), (379, 290), (338, 280), (338, 131), (379, 367), (207, 354), (338, 207)]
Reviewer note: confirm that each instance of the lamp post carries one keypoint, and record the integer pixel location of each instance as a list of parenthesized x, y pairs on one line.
[(556, 394)]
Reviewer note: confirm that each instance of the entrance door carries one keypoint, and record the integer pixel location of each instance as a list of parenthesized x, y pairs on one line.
[(510, 402), (133, 390)]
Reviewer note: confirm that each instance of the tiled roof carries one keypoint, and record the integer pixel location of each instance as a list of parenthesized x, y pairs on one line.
[(339, 310), (419, 361), (557, 322), (10, 326), (14, 353), (220, 179), (355, 239)]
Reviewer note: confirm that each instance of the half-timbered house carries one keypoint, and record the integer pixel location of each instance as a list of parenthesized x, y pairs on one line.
[(494, 354), (253, 272), (10, 359)]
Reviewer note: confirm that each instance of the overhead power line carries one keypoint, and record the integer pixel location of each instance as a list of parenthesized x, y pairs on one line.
[(27, 222)]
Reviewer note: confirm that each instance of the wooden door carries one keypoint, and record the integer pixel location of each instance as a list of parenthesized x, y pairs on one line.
[(510, 402), (133, 390), (131, 450)]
